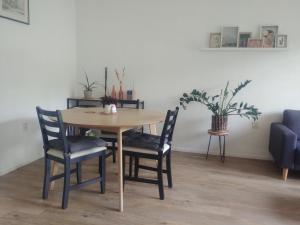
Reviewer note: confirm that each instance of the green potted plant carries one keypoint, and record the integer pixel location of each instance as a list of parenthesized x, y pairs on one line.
[(222, 105), (88, 87)]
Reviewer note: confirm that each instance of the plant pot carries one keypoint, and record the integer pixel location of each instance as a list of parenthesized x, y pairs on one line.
[(88, 94), (219, 123)]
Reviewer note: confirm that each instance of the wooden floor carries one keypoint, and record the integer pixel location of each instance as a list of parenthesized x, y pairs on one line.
[(205, 192)]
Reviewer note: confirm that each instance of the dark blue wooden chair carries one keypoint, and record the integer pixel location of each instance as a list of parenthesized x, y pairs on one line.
[(68, 150), (112, 137), (147, 146)]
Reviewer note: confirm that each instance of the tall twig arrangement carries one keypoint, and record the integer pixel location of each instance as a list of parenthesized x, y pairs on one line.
[(120, 77)]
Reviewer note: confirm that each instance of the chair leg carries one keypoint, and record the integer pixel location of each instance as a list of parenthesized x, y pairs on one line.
[(136, 166), (130, 165), (102, 171), (160, 178), (78, 172), (123, 164), (67, 170), (46, 178), (169, 169), (114, 151), (285, 172)]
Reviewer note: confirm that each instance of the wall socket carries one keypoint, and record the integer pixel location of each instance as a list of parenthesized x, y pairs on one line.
[(25, 126)]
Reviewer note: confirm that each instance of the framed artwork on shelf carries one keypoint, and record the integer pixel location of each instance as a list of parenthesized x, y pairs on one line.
[(16, 10), (281, 41), (254, 43), (215, 40), (243, 39), (268, 34), (230, 37)]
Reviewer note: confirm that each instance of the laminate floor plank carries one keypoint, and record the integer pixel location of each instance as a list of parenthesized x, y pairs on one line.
[(238, 192)]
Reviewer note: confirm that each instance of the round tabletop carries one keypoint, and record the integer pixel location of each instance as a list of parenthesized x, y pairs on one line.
[(96, 118)]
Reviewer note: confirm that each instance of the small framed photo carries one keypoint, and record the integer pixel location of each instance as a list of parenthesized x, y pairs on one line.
[(215, 40), (254, 43), (281, 41), (230, 37), (243, 39), (17, 10), (268, 34)]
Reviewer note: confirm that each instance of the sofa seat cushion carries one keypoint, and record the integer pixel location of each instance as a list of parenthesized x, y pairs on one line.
[(78, 143), (141, 141)]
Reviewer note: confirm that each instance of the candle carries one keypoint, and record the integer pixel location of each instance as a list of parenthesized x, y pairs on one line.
[(105, 87)]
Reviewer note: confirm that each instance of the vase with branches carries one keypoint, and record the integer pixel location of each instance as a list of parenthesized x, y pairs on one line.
[(120, 78), (222, 105)]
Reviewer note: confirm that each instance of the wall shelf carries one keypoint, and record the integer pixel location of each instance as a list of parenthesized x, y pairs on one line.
[(244, 49)]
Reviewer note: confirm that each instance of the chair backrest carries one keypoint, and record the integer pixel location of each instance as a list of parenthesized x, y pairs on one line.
[(291, 119), (124, 103), (168, 129), (134, 104), (52, 127)]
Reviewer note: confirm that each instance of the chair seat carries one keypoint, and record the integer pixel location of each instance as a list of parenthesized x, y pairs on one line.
[(145, 150), (78, 143), (144, 143), (110, 135), (60, 154)]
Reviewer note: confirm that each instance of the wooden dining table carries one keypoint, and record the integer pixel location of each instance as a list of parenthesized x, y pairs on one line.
[(123, 120)]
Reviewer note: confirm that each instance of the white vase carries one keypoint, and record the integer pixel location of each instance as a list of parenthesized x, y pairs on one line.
[(88, 94)]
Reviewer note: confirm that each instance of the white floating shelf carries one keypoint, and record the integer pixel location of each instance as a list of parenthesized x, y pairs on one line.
[(244, 49)]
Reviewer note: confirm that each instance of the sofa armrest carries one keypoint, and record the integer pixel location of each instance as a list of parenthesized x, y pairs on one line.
[(282, 145)]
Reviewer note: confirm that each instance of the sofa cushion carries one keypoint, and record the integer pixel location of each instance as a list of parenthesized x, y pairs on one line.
[(297, 155), (77, 143), (291, 119)]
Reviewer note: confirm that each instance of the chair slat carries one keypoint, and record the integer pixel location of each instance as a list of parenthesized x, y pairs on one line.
[(52, 133), (47, 113), (51, 123)]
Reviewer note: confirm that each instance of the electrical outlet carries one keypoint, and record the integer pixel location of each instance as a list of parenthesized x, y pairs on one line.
[(25, 126)]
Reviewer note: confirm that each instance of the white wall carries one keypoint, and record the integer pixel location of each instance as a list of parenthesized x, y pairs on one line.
[(37, 67), (160, 43)]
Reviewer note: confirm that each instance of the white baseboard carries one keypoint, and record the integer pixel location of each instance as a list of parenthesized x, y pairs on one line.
[(238, 155)]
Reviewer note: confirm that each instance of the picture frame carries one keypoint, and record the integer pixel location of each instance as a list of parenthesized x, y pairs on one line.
[(243, 39), (215, 40), (16, 10), (254, 43), (230, 37), (281, 41), (268, 34)]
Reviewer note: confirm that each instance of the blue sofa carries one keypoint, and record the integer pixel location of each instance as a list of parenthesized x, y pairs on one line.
[(285, 142)]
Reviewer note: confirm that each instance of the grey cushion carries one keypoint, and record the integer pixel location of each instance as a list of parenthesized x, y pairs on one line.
[(142, 140), (78, 143), (110, 137)]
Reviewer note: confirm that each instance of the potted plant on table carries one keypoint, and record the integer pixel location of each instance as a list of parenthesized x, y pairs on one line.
[(222, 105), (88, 87)]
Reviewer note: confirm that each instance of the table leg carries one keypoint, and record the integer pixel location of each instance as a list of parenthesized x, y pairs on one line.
[(208, 147), (54, 170), (120, 169), (153, 129), (224, 148), (220, 147)]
